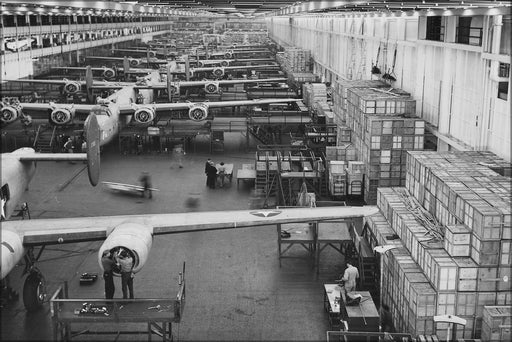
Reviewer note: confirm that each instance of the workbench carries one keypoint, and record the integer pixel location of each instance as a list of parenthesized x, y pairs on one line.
[(302, 234), (113, 316), (361, 317), (65, 313), (246, 173), (335, 234)]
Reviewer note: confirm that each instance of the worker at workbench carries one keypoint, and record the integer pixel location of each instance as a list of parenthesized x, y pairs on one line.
[(350, 277)]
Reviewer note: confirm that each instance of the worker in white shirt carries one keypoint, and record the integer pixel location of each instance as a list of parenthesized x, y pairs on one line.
[(350, 277)]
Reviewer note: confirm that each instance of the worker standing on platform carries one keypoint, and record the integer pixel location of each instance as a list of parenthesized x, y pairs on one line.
[(350, 277), (125, 262), (108, 264)]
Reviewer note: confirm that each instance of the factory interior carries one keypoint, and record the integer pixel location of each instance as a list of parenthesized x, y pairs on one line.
[(256, 170)]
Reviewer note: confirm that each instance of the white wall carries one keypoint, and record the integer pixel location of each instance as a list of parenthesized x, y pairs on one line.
[(449, 81)]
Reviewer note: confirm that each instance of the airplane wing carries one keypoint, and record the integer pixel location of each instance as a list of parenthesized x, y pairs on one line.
[(71, 230), (54, 157), (40, 107), (163, 85), (61, 82), (278, 79), (218, 104), (262, 66), (105, 58)]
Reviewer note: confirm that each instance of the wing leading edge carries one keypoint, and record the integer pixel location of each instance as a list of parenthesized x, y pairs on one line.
[(70, 230)]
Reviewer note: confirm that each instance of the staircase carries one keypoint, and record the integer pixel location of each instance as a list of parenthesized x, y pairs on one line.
[(44, 139), (262, 135)]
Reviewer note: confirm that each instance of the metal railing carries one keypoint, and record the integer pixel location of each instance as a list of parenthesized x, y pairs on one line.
[(34, 145), (53, 136)]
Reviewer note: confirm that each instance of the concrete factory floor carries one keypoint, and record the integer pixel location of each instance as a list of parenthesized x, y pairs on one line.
[(235, 287)]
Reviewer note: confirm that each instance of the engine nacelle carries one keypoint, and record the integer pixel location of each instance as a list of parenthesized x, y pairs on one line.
[(62, 116), (12, 251), (132, 237), (10, 113), (134, 62), (218, 72), (174, 88), (211, 87), (224, 63), (151, 54), (228, 54), (144, 115), (71, 87), (198, 112), (200, 64), (109, 73)]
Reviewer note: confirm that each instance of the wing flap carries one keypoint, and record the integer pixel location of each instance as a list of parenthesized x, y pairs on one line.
[(70, 230)]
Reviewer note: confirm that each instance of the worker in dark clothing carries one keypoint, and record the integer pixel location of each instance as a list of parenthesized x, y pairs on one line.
[(145, 180), (125, 262), (108, 264), (211, 175), (206, 165), (387, 320)]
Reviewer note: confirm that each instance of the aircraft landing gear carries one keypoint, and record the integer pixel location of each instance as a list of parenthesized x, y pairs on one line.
[(34, 289)]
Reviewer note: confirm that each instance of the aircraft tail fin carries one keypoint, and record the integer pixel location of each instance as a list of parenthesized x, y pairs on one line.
[(92, 134)]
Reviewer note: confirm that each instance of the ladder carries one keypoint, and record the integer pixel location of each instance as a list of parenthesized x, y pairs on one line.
[(44, 139)]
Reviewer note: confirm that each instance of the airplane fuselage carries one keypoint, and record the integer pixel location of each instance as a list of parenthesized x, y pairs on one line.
[(15, 178)]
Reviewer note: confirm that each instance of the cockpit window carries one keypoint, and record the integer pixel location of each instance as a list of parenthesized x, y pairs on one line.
[(101, 110)]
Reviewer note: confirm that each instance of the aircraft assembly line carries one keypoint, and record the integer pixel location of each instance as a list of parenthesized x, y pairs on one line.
[(213, 171)]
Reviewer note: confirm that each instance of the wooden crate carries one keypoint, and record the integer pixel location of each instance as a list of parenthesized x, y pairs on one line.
[(485, 253), (457, 240), (486, 280), (468, 274), (422, 299), (496, 323), (443, 275), (446, 303)]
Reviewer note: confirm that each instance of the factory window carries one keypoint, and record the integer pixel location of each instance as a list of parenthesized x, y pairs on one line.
[(506, 34), (503, 71), (22, 20), (469, 30), (435, 28), (45, 20), (9, 21), (33, 20)]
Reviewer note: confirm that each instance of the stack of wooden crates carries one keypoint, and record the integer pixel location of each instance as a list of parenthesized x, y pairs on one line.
[(455, 257), (384, 128)]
